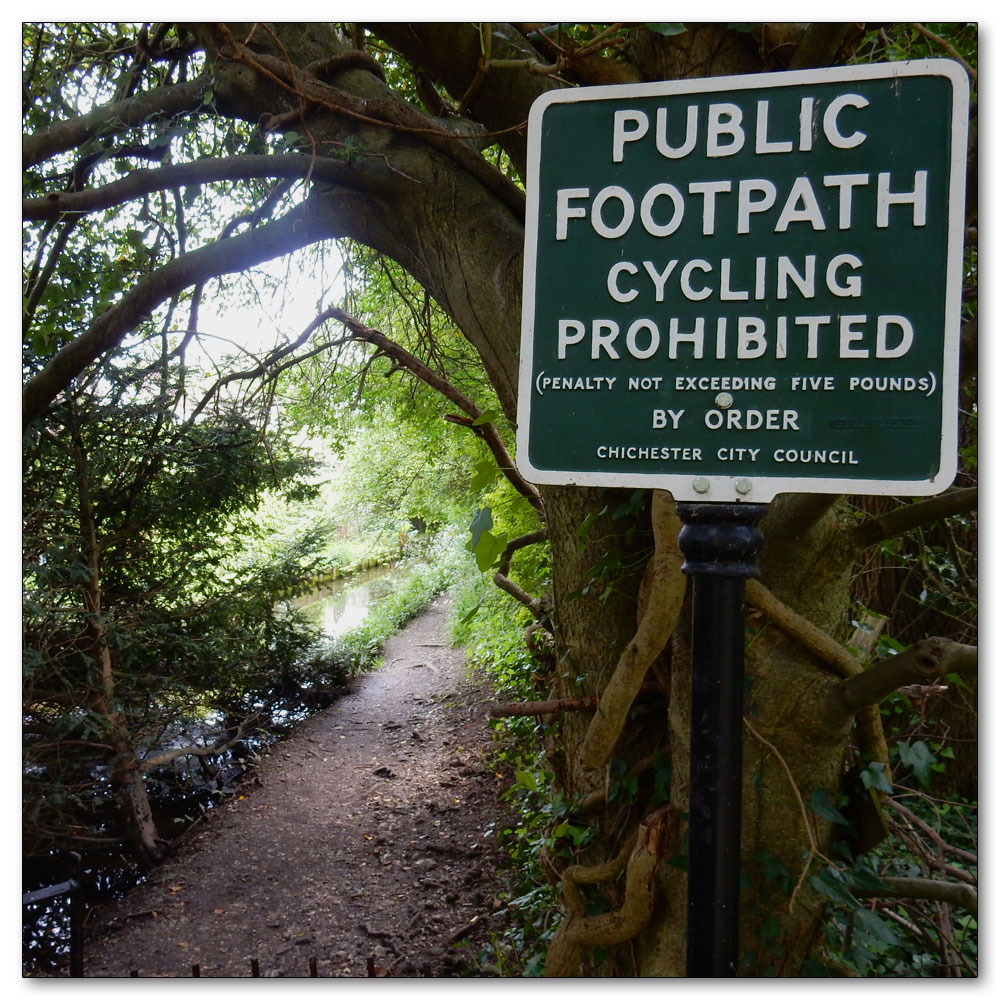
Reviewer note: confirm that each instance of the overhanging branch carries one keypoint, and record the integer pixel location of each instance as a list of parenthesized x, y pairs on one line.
[(483, 429), (292, 232), (232, 168), (923, 661), (501, 578), (829, 651), (110, 118), (953, 893), (385, 111), (913, 515)]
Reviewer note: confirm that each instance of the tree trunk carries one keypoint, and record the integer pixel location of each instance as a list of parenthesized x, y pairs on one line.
[(124, 772)]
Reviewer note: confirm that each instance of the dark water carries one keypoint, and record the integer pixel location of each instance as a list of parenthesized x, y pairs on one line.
[(181, 796)]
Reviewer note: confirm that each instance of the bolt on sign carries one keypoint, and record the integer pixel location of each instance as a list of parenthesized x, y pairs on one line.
[(738, 287)]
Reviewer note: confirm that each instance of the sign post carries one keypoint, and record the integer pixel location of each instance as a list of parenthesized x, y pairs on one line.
[(736, 287), (720, 543)]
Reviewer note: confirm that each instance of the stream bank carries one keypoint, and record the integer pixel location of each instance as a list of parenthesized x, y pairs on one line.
[(367, 834)]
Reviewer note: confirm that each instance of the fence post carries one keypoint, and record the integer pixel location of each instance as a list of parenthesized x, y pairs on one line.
[(76, 918)]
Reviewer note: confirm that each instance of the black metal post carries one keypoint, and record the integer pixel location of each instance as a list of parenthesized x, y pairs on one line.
[(720, 543)]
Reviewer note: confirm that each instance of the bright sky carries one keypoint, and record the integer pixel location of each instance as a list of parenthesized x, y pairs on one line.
[(257, 317)]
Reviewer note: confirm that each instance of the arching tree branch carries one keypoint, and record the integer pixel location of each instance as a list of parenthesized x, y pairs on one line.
[(292, 232), (234, 168), (110, 118), (486, 430), (387, 111), (450, 54)]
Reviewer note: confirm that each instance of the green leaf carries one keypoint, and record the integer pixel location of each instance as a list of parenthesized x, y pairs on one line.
[(919, 758), (472, 614), (527, 779), (873, 776), (820, 804), (588, 523), (771, 866), (876, 926), (770, 929), (667, 28), (488, 549), (631, 506), (827, 883), (485, 475), (487, 417), (481, 521), (860, 878)]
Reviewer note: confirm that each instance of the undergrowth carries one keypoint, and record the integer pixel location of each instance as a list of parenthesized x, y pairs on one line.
[(491, 626)]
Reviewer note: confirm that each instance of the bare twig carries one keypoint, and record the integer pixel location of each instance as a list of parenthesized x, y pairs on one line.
[(948, 47), (583, 703), (483, 429)]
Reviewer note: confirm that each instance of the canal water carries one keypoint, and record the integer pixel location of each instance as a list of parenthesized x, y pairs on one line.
[(342, 604)]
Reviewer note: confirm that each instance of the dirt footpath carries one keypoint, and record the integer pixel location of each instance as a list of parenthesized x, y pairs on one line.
[(363, 835)]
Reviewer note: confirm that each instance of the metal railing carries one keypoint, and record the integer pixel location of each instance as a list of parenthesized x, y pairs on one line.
[(72, 887)]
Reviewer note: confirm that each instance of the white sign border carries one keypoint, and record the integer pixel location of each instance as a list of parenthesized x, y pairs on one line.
[(723, 489)]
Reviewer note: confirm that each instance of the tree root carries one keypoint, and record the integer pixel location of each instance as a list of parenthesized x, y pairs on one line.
[(579, 933), (664, 588)]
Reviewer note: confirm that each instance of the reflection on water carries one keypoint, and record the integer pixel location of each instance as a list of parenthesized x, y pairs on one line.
[(341, 605)]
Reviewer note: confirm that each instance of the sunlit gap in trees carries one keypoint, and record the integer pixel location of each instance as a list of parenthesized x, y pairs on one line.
[(243, 317)]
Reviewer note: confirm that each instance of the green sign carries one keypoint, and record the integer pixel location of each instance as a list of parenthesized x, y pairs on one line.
[(738, 287)]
